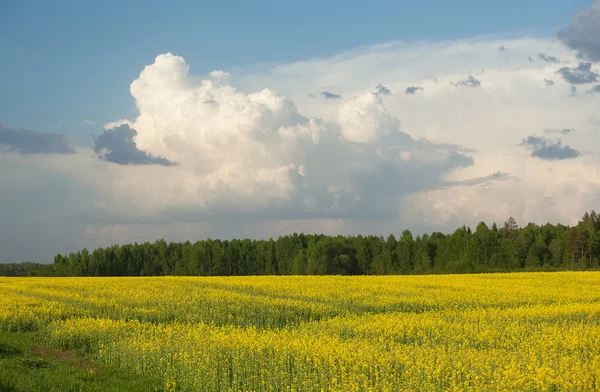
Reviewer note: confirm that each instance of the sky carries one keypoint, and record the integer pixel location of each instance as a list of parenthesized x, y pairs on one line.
[(126, 122)]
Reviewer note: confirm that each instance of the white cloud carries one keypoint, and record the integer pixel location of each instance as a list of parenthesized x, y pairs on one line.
[(264, 159), (537, 191), (364, 119), (254, 154), (252, 162), (512, 103), (114, 124)]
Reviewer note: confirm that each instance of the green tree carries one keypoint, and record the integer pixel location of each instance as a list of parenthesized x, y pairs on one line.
[(405, 251)]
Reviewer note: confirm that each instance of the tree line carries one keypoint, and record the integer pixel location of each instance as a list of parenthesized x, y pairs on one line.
[(486, 249)]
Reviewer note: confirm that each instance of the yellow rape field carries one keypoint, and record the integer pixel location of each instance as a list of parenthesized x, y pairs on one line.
[(489, 332)]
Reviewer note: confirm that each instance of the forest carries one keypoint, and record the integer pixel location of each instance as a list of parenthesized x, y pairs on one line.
[(485, 249)]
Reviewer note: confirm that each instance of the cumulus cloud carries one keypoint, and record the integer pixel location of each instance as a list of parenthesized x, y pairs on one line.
[(583, 33), (116, 145), (344, 156), (548, 149), (259, 163), (364, 119), (412, 90), (471, 81), (255, 155), (381, 89), (26, 142), (548, 59), (330, 95), (582, 74)]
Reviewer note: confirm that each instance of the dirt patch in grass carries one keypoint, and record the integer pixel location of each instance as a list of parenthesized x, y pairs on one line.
[(72, 358)]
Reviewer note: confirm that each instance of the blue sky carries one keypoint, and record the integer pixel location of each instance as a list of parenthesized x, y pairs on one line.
[(82, 55), (128, 121)]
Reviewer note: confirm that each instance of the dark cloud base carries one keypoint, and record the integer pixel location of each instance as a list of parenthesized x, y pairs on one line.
[(582, 74), (381, 89), (330, 95), (548, 149), (548, 59), (26, 142), (471, 81), (412, 90), (583, 33), (117, 146)]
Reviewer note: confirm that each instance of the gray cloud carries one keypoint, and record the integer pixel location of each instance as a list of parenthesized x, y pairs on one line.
[(477, 180), (531, 60), (330, 95), (533, 141), (381, 89), (117, 146), (548, 149), (471, 81), (449, 147), (583, 33), (581, 74), (549, 82), (25, 142), (563, 131), (573, 91), (555, 152), (594, 90), (548, 59), (412, 90), (502, 48)]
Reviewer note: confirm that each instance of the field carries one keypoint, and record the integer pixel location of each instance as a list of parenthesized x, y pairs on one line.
[(488, 332)]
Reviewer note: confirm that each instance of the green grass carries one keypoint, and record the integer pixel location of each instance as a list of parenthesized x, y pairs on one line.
[(27, 366)]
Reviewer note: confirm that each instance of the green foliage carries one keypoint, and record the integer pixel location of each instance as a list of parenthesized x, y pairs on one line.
[(27, 366), (486, 249), (25, 269)]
